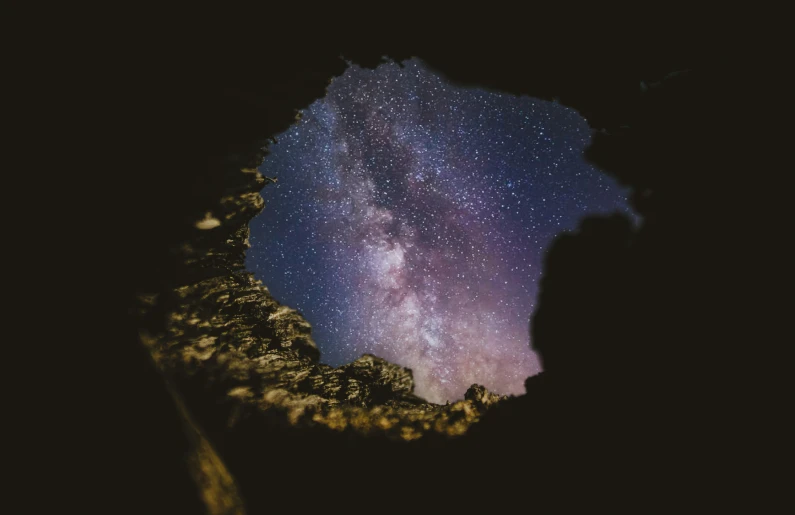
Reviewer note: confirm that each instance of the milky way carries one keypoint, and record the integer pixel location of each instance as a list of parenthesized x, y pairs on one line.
[(411, 218)]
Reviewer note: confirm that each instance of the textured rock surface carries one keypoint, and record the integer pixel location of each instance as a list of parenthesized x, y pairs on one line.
[(481, 397), (228, 342)]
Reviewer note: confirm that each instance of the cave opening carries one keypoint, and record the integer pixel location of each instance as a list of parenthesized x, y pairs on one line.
[(411, 217)]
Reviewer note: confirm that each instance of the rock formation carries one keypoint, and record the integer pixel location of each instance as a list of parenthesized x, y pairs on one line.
[(245, 364), (224, 333)]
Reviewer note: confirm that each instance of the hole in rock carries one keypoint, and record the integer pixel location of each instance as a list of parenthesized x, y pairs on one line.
[(411, 217)]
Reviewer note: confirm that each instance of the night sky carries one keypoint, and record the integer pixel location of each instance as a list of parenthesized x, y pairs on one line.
[(411, 218)]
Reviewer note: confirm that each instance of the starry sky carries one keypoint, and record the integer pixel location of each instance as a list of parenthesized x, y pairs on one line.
[(411, 218)]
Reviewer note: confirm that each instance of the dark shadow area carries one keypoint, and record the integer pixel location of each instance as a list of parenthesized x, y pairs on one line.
[(651, 338)]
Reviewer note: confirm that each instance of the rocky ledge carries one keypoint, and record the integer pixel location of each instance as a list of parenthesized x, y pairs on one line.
[(226, 343)]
